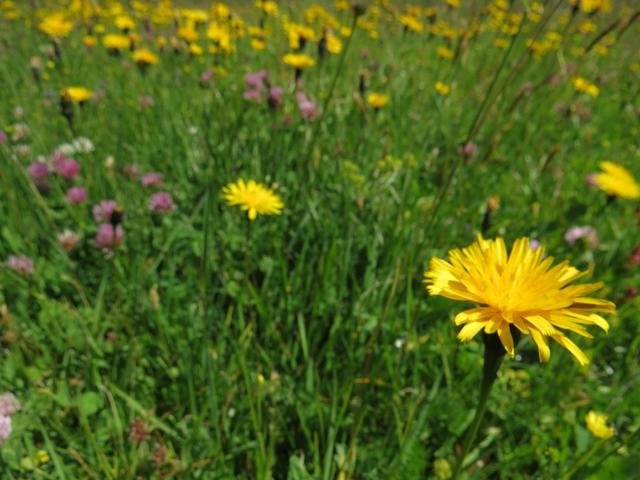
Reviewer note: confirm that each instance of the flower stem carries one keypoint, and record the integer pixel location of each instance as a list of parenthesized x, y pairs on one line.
[(493, 355)]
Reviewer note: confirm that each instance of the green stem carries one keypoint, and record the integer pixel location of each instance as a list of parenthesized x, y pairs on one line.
[(628, 441), (493, 355), (584, 458)]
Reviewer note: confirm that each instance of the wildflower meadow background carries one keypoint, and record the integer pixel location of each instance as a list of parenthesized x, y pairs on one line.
[(216, 219)]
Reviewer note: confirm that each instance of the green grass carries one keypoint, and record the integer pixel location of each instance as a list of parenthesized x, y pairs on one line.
[(304, 346)]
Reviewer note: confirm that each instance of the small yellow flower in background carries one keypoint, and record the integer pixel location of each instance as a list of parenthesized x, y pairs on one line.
[(42, 457), (591, 6), (442, 88), (334, 44), (253, 198), (188, 32), (298, 61), (116, 42), (89, 41), (501, 42), (268, 7), (583, 85), (444, 52), (617, 180), (453, 3), (517, 290), (56, 25), (597, 425), (258, 44), (76, 94), (377, 100), (587, 27), (125, 23), (143, 56), (411, 23), (341, 5), (195, 49)]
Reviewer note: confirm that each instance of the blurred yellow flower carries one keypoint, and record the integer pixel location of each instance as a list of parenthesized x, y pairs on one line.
[(258, 44), (453, 3), (583, 85), (56, 25), (144, 56), (298, 33), (89, 41), (597, 425), (268, 7), (334, 44), (116, 42), (517, 290), (253, 198), (377, 100), (590, 6), (444, 52), (298, 61), (411, 23), (188, 32), (195, 49), (42, 457), (76, 94), (617, 180), (124, 22), (442, 88)]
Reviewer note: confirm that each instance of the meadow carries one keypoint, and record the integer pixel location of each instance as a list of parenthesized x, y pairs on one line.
[(221, 226)]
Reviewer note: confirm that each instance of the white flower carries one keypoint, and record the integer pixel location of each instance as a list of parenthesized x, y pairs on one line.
[(83, 145), (66, 149)]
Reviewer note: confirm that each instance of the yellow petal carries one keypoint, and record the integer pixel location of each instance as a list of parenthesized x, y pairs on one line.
[(469, 331), (573, 348), (544, 352), (504, 333)]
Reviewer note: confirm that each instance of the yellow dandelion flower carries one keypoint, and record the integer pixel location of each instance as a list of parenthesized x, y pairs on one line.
[(124, 22), (442, 88), (268, 7), (617, 180), (188, 32), (583, 85), (377, 100), (42, 456), (517, 290), (444, 52), (56, 25), (143, 56), (195, 49), (334, 44), (89, 41), (253, 198), (597, 425), (76, 94), (341, 5), (258, 44), (411, 23), (298, 61), (116, 42)]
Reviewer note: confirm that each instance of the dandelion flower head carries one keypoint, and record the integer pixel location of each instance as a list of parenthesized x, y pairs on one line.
[(253, 198), (597, 425), (519, 289), (616, 180)]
